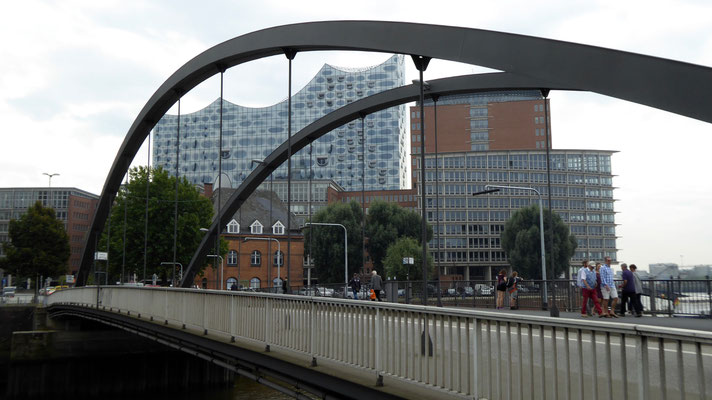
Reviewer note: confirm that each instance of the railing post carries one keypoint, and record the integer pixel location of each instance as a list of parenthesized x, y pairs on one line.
[(312, 333), (476, 334), (379, 380), (642, 361), (268, 323), (709, 296)]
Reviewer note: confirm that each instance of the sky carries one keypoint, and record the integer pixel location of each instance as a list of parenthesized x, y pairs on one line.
[(74, 75)]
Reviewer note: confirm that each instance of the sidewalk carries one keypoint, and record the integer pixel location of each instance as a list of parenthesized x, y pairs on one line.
[(700, 324)]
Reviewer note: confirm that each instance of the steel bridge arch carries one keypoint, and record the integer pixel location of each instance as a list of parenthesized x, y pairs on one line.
[(669, 85)]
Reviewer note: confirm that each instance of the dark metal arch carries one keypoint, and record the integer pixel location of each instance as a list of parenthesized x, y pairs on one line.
[(344, 115), (681, 88)]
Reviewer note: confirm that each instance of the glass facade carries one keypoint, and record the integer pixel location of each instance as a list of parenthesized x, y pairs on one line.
[(253, 133), (470, 226)]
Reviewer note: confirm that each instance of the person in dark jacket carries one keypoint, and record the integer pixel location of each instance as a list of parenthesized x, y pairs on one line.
[(355, 285), (501, 288)]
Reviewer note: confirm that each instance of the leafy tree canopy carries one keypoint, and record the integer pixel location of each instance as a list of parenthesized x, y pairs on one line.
[(521, 241), (194, 212), (406, 247), (386, 223), (326, 243), (39, 245)]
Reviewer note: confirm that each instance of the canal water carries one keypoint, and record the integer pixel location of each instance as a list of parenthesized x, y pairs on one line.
[(243, 389)]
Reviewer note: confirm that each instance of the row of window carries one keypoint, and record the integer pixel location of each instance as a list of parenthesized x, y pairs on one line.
[(557, 162), (519, 177), (256, 258)]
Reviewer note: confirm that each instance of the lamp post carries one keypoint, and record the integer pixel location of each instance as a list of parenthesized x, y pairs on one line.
[(541, 234), (346, 250), (50, 186), (280, 257)]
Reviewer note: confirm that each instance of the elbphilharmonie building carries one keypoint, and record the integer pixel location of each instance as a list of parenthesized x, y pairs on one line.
[(342, 155)]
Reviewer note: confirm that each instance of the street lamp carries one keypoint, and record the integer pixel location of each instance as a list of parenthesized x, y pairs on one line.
[(346, 250), (221, 267), (495, 188), (279, 251), (50, 186)]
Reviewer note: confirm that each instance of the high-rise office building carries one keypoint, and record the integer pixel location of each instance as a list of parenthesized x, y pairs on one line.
[(74, 207), (253, 133), (500, 139)]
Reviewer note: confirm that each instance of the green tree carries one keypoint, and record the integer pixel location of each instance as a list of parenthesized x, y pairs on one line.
[(406, 247), (386, 223), (194, 212), (326, 243), (38, 246), (521, 241)]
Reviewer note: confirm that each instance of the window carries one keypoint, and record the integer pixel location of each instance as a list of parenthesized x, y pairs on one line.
[(255, 283), (278, 258), (233, 227), (256, 258), (278, 228), (256, 227), (232, 257), (230, 283)]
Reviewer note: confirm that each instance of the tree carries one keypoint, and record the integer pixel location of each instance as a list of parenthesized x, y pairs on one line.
[(194, 212), (39, 245), (326, 243), (406, 247), (386, 223), (522, 243)]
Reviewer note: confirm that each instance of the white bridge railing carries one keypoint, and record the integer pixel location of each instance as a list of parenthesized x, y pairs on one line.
[(459, 352)]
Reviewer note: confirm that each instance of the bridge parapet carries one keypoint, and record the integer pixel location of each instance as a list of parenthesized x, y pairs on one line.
[(455, 352)]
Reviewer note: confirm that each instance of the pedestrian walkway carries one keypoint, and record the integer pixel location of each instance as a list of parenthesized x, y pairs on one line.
[(700, 324)]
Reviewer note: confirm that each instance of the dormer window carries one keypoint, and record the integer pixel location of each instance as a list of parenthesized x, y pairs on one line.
[(256, 228), (233, 227), (278, 228)]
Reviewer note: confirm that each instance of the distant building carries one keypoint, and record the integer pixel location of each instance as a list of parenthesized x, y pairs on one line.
[(664, 270), (499, 138), (74, 207), (253, 133), (257, 244)]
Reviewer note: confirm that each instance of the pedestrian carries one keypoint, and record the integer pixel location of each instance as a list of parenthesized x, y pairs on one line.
[(589, 291), (609, 290), (513, 289), (581, 277), (285, 286), (627, 289), (376, 284), (501, 288), (598, 283), (637, 304), (355, 285)]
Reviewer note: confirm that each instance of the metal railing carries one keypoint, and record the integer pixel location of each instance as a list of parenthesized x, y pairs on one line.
[(660, 297), (472, 353)]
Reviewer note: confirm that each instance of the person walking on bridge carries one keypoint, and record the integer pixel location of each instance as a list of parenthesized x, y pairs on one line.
[(609, 290), (376, 284), (589, 290), (580, 278), (637, 305), (355, 284)]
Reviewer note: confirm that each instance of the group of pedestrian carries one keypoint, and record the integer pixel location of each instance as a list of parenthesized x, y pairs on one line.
[(599, 291), (376, 286), (508, 285)]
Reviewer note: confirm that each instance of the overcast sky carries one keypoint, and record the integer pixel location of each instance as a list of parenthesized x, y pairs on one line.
[(74, 75)]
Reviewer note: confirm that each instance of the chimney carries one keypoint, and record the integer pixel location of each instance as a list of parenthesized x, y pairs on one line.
[(208, 190)]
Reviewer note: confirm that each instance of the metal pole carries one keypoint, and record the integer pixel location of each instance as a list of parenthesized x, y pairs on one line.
[(123, 250), (437, 196), (554, 311), (363, 195), (421, 63), (289, 53), (175, 210), (217, 234), (145, 228)]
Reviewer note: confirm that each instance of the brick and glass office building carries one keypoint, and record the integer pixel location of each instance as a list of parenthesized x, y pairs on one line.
[(74, 207), (499, 139)]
